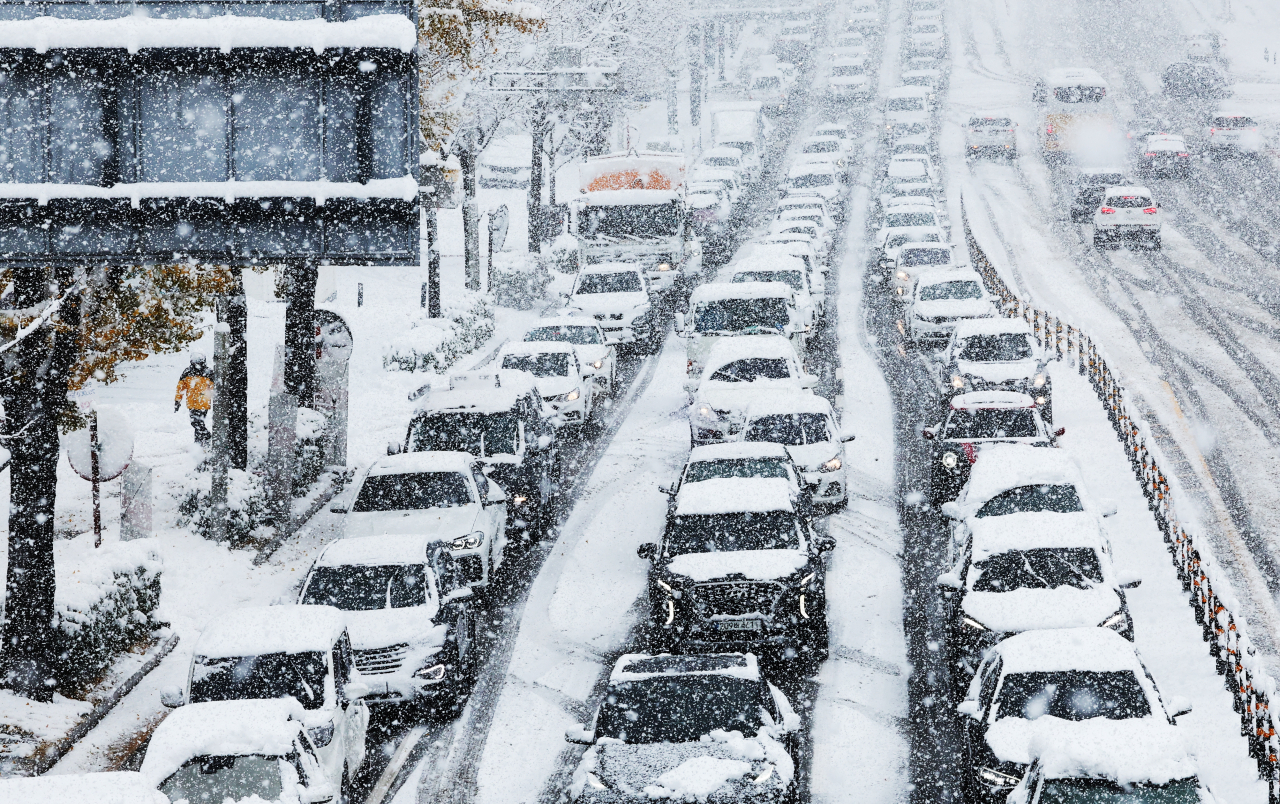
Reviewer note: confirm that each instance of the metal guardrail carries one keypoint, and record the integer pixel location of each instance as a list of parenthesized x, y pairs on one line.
[(1251, 687)]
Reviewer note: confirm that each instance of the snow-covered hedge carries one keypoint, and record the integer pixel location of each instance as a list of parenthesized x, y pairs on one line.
[(518, 280), (308, 461), (105, 601), (562, 253), (435, 344), (246, 506)]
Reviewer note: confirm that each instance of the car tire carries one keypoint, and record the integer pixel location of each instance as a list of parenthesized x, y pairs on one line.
[(815, 642), (345, 794), (1156, 244), (1098, 242)]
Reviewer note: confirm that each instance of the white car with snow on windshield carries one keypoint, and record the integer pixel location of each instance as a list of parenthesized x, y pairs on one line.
[(940, 300), (760, 459), (1233, 134), (907, 108), (566, 387), (823, 149), (995, 354), (817, 216), (444, 495), (819, 178), (410, 613), (806, 229), (785, 252), (737, 370), (731, 310), (685, 728), (793, 275), (725, 177), (1127, 214), (599, 358), (709, 209), (769, 88), (617, 295), (848, 80), (913, 259), (991, 134), (805, 424), (1055, 685), (904, 220)]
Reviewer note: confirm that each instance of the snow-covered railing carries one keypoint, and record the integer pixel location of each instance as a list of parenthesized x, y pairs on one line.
[(1251, 687)]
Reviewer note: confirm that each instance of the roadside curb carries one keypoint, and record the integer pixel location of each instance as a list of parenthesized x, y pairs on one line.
[(62, 747), (296, 523)]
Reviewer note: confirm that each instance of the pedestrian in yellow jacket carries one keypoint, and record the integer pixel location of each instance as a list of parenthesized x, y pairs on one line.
[(196, 385)]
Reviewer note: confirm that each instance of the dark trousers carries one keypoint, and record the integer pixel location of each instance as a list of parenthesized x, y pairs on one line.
[(197, 424)]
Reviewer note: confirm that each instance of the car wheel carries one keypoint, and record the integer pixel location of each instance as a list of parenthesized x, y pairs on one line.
[(1156, 244), (1098, 242), (815, 642), (345, 794)]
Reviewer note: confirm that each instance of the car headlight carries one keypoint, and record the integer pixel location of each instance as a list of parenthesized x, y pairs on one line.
[(594, 782), (1116, 622), (957, 381), (904, 276), (571, 396), (1039, 380), (664, 266), (598, 364), (950, 459), (997, 779), (1040, 400), (971, 623), (706, 412), (469, 542), (433, 673), (831, 465)]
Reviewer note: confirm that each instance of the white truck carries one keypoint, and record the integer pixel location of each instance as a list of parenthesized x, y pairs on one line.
[(741, 125), (631, 209)]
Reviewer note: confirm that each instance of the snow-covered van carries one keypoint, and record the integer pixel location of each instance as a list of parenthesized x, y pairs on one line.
[(723, 310), (302, 652), (115, 787), (496, 417), (631, 208), (238, 751), (739, 568), (686, 728)]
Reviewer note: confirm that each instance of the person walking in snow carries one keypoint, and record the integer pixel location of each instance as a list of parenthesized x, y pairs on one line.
[(196, 385)]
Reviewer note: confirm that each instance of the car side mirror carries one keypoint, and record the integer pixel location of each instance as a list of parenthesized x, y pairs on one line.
[(1061, 431), (356, 690), (969, 708), (665, 489), (929, 433), (647, 551), (1109, 508), (951, 510), (579, 735), (949, 580), (394, 448), (461, 593), (338, 507), (808, 381), (1128, 580), (1180, 706), (491, 500), (172, 697), (318, 793), (847, 435), (824, 543)]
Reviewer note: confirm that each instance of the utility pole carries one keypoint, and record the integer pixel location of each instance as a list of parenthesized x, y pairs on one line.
[(470, 219), (233, 311), (299, 331), (221, 433)]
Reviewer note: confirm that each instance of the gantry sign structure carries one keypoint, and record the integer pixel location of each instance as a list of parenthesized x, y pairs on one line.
[(223, 132)]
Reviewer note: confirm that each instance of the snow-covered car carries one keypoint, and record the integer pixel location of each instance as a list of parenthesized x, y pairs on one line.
[(906, 106), (768, 88), (974, 421), (599, 358), (1195, 80), (787, 251), (912, 144), (922, 159), (848, 38), (617, 295), (805, 200), (111, 787), (1233, 134), (793, 275), (900, 171), (264, 653), (930, 78), (567, 389), (1165, 155), (442, 494), (1091, 188), (838, 130), (739, 568), (848, 80), (942, 299), (1136, 761), (921, 189), (496, 418), (991, 134), (725, 157), (732, 459), (1050, 683), (1127, 214), (867, 23), (904, 220), (410, 612), (809, 230), (926, 36), (1136, 133), (887, 250), (731, 310), (1030, 570), (238, 750), (995, 354), (822, 149), (709, 209), (914, 258), (819, 178), (725, 177), (686, 728), (737, 371), (815, 215), (805, 424), (796, 39)]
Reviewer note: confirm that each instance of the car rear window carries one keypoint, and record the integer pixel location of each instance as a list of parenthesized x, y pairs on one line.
[(990, 122), (1061, 499), (905, 105), (620, 282), (1129, 201), (996, 347), (1232, 122), (1072, 695), (957, 289), (901, 219), (699, 471), (751, 369), (924, 256)]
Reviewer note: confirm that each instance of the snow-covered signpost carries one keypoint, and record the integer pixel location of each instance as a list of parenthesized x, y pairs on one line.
[(100, 452)]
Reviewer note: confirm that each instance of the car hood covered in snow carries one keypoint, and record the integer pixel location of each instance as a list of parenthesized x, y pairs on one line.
[(952, 308), (810, 456), (736, 396), (554, 386), (448, 523), (1024, 609), (608, 303), (1001, 371), (381, 628), (756, 565), (1011, 739)]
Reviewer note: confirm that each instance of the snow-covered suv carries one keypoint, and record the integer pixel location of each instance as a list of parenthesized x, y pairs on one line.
[(993, 134), (617, 295), (737, 371), (761, 459), (666, 721), (913, 258), (995, 354), (1127, 213), (565, 384), (731, 310), (805, 424), (1233, 133), (942, 299), (739, 568)]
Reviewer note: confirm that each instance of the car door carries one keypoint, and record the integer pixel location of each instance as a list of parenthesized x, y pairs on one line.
[(493, 515), (352, 714), (456, 613)]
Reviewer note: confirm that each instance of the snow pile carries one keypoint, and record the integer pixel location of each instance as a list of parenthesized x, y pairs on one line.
[(697, 778), (420, 343), (518, 280), (28, 724)]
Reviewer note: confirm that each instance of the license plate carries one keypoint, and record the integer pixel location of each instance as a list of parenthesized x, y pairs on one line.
[(737, 625)]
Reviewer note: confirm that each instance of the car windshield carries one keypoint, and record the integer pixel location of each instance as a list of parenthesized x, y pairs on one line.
[(265, 677), (898, 220), (792, 278), (565, 333), (750, 369), (979, 423), (1060, 499), (1047, 568), (1103, 180), (616, 282), (1232, 122), (543, 364), (1128, 201), (812, 180), (481, 434), (737, 315), (679, 709), (720, 533), (222, 778), (1073, 695), (1079, 94), (905, 105), (897, 240), (767, 82), (924, 256), (721, 161), (1101, 791), (747, 147), (791, 429), (822, 147), (630, 220), (699, 471), (367, 588), (926, 29), (412, 491), (957, 289), (990, 122), (996, 348)]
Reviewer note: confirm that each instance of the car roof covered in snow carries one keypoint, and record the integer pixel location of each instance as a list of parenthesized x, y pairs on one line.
[(479, 392), (822, 138), (563, 319), (849, 61), (382, 550), (1033, 530), (823, 168), (907, 92), (727, 350), (722, 150), (910, 247), (1074, 76), (1001, 467), (610, 268), (719, 291), (991, 326), (737, 449), (734, 495), (259, 630), (640, 666), (114, 787), (442, 461), (1131, 751), (785, 400), (1063, 649), (948, 275), (1128, 190), (991, 399), (536, 348), (222, 728)]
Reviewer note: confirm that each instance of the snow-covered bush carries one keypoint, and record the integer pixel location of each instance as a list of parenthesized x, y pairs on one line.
[(562, 253), (518, 280), (105, 600), (309, 453), (246, 506), (435, 344)]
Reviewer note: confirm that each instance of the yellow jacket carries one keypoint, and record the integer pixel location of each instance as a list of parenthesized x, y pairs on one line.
[(198, 390)]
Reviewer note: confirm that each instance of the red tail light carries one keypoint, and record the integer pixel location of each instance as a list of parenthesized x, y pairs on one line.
[(1213, 131), (1184, 154), (1149, 211), (1150, 153), (688, 366), (1048, 129), (1107, 211)]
